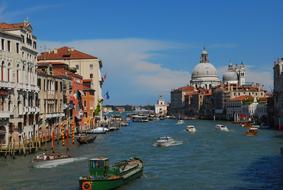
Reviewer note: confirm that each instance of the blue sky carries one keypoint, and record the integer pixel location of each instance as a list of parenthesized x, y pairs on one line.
[(149, 47)]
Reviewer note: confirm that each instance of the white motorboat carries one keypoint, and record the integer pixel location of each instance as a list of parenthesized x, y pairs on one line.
[(99, 130), (165, 141), (191, 129), (222, 127), (180, 122), (46, 160)]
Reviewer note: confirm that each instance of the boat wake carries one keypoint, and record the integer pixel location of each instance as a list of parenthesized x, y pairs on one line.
[(55, 163)]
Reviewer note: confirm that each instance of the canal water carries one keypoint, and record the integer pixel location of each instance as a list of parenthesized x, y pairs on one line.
[(208, 159)]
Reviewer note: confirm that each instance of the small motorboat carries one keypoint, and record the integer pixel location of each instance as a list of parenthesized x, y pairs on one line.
[(191, 129), (251, 132), (221, 127), (85, 139), (99, 130), (165, 141), (51, 159), (180, 122)]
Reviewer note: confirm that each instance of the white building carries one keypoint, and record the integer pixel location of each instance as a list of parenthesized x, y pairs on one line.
[(204, 74), (161, 107), (18, 83)]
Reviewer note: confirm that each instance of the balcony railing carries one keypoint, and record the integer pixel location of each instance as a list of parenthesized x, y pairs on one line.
[(5, 84), (4, 114)]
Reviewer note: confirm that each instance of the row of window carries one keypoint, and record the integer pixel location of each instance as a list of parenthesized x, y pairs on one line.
[(50, 85)]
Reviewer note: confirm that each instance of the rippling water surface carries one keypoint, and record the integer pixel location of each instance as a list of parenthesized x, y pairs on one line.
[(208, 159)]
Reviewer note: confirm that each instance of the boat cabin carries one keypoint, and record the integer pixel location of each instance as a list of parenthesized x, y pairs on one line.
[(99, 166)]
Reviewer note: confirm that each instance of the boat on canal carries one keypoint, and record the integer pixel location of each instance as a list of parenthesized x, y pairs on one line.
[(99, 130), (85, 138), (104, 177), (46, 160), (165, 141), (251, 132), (221, 127), (180, 122), (191, 129)]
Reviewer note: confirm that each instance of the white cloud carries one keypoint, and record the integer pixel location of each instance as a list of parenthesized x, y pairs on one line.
[(132, 77)]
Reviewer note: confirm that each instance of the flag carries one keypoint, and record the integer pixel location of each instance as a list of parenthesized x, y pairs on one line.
[(107, 95)]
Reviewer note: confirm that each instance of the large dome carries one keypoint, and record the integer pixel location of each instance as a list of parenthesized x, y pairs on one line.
[(204, 70)]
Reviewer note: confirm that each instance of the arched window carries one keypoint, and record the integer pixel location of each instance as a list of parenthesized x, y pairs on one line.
[(2, 135)]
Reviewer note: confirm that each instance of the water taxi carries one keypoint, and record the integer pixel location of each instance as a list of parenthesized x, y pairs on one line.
[(251, 132), (104, 177), (222, 127), (51, 159), (165, 141), (191, 129), (99, 130)]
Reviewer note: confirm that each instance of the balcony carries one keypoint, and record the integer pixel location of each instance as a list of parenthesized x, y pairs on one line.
[(8, 85), (4, 114)]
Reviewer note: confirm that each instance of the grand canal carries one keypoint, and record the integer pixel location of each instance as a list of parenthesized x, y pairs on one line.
[(208, 159)]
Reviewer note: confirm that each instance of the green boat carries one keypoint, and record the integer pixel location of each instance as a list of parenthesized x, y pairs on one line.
[(103, 177)]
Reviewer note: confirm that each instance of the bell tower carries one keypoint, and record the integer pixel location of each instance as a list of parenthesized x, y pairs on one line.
[(204, 56)]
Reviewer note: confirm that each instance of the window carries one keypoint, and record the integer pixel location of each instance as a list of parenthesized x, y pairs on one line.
[(77, 67), (2, 44), (17, 48), (56, 85), (9, 46), (39, 83), (91, 66), (91, 76), (85, 103)]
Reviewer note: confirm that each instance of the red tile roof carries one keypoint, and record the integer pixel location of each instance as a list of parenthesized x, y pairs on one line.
[(64, 53), (13, 26), (241, 98), (187, 88)]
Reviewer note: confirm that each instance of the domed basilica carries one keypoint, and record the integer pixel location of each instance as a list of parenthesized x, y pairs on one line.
[(204, 74)]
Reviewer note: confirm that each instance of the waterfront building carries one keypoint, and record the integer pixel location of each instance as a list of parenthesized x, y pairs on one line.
[(88, 66), (180, 99), (161, 107), (88, 99), (235, 74), (198, 100), (247, 108), (224, 94), (204, 74), (278, 93), (50, 99), (19, 111)]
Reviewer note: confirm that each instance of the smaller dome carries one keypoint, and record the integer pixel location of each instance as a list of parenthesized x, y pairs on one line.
[(230, 76), (204, 51)]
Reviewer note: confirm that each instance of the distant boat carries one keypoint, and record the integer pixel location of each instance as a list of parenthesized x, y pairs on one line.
[(251, 132), (180, 122), (104, 177), (222, 127), (165, 141), (99, 130), (191, 129), (85, 139), (140, 118)]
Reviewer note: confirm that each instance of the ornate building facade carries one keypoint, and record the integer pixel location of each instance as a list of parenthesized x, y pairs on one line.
[(18, 84)]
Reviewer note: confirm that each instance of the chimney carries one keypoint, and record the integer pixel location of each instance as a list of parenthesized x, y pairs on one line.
[(55, 51)]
